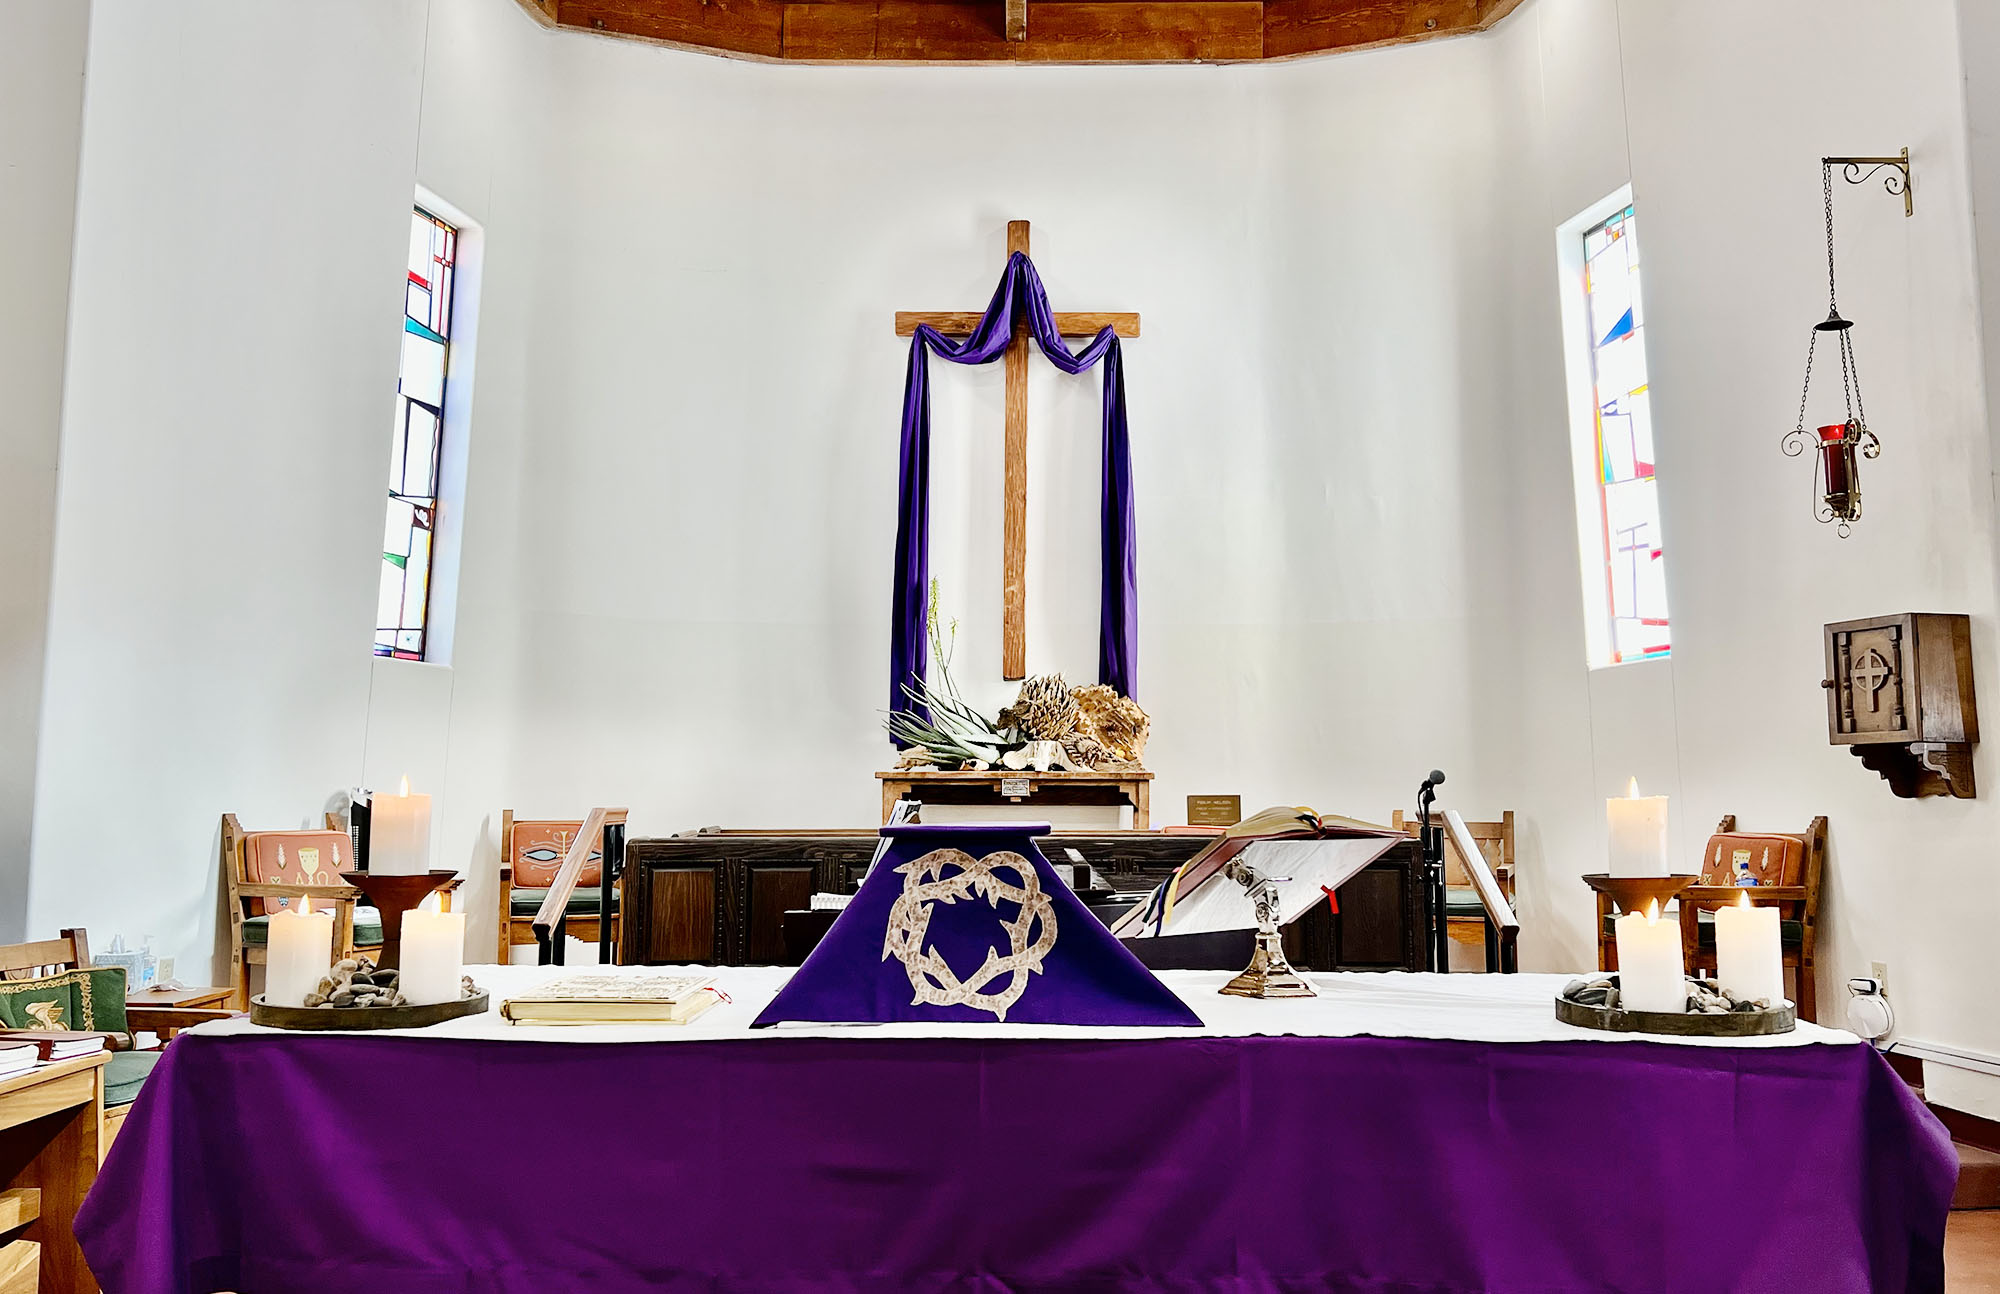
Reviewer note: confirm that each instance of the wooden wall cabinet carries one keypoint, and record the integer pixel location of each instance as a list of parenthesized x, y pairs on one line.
[(719, 898), (1899, 695)]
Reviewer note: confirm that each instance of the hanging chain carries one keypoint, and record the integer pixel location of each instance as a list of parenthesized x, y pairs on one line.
[(1826, 191)]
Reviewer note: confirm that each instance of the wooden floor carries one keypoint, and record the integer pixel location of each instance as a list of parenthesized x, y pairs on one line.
[(1972, 1252)]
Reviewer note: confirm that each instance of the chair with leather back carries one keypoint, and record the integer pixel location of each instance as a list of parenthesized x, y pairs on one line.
[(531, 853)]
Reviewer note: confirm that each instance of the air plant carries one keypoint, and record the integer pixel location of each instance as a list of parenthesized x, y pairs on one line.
[(955, 733)]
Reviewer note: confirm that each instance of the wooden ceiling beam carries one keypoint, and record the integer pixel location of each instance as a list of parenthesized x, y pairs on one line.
[(999, 31), (1062, 31)]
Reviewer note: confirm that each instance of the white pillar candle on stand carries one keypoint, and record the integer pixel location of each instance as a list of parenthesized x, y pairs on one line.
[(399, 833), (1749, 955), (300, 951), (432, 956), (1638, 833), (1651, 975)]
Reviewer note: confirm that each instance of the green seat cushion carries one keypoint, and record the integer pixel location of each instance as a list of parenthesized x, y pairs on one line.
[(367, 929), (1790, 933), (582, 902), (1463, 901), (124, 1074)]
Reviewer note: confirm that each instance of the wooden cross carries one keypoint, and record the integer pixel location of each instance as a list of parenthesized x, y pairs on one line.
[(1014, 525)]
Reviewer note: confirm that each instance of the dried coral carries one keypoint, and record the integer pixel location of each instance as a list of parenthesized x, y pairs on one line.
[(1114, 723)]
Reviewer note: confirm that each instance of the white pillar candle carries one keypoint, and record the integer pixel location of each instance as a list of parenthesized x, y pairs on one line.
[(1638, 833), (299, 952), (1651, 975), (433, 956), (1749, 956), (399, 833)]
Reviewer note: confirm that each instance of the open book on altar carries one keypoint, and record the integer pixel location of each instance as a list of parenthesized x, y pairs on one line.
[(1313, 854)]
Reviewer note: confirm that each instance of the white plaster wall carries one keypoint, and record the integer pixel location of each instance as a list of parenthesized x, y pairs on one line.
[(718, 387), (41, 103), (1356, 538), (1720, 141), (240, 216)]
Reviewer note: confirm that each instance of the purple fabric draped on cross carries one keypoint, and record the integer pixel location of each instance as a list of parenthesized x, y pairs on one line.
[(1118, 619)]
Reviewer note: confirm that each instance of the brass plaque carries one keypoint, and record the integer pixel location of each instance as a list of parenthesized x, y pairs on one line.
[(1214, 810), (1015, 787)]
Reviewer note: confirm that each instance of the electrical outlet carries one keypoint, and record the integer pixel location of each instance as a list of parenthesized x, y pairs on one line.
[(1879, 972)]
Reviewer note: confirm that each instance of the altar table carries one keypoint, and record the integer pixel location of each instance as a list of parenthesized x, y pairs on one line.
[(1399, 1133)]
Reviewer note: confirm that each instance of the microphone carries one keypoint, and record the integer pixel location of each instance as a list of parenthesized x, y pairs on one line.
[(1435, 779)]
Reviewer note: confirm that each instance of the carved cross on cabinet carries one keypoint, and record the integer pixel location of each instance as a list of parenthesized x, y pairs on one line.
[(1899, 695)]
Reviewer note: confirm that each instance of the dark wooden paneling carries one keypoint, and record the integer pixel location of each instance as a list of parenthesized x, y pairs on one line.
[(772, 890), (738, 886), (1369, 930), (680, 909)]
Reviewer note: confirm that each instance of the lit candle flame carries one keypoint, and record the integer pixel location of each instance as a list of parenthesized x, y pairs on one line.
[(1652, 912), (1631, 789), (406, 785), (305, 906), (1743, 898)]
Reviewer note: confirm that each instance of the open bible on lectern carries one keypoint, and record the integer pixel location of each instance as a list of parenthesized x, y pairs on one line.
[(1307, 856)]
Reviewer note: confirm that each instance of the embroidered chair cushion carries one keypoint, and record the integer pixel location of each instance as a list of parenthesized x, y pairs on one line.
[(539, 850), (582, 902), (124, 1074), (294, 858), (367, 929), (89, 998), (1740, 857)]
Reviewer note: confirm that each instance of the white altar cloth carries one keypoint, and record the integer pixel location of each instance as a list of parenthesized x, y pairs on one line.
[(1395, 1004)]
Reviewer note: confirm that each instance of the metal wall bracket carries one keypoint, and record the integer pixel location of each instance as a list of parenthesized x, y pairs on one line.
[(1859, 170)]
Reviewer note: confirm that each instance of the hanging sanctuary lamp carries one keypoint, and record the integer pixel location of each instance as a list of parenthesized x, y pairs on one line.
[(1840, 446)]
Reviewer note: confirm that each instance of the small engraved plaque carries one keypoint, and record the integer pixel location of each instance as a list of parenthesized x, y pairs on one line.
[(1214, 810), (1016, 788)]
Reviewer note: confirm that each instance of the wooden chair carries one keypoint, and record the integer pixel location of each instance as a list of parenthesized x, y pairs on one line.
[(265, 871), (532, 851), (1789, 880), (128, 1067), (1465, 916)]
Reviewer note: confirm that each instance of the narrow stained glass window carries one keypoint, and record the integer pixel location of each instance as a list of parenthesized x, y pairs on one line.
[(1630, 559), (403, 608)]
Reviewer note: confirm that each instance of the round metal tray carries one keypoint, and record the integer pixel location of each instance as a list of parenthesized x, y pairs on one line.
[(364, 1017), (1684, 1024)]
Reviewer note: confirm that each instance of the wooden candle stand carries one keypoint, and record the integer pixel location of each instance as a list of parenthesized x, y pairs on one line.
[(1631, 893), (393, 895)]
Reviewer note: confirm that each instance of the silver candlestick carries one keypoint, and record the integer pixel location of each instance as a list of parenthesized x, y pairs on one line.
[(1268, 974)]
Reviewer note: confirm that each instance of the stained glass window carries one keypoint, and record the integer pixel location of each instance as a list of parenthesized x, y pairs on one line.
[(403, 609), (1628, 496)]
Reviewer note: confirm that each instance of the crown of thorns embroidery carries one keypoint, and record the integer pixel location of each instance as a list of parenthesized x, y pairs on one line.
[(1030, 935)]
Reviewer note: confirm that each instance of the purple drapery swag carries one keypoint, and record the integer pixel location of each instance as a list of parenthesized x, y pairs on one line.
[(1118, 617)]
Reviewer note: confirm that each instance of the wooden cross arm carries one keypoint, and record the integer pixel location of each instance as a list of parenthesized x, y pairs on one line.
[(1078, 323)]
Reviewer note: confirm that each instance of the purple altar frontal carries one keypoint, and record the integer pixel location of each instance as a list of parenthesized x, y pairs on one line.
[(475, 1159)]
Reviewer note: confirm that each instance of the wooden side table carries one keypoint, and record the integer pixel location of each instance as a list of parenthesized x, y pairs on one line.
[(50, 1122), (176, 999), (1001, 786)]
